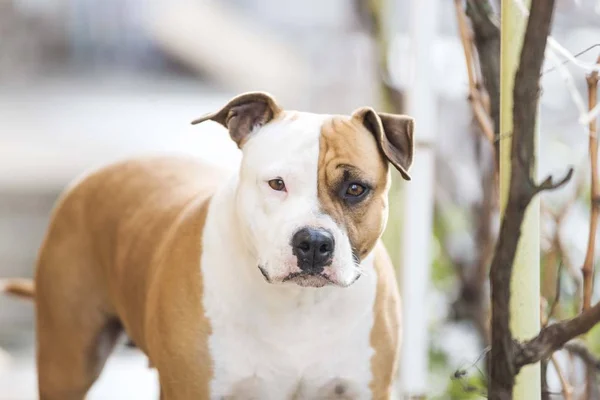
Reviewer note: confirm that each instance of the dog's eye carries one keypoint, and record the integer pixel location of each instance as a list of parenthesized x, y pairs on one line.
[(277, 184), (355, 190)]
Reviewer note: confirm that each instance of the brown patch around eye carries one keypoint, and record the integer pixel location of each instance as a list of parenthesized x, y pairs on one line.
[(277, 184), (353, 181)]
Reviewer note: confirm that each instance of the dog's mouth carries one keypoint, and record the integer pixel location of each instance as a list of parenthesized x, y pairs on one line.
[(307, 279)]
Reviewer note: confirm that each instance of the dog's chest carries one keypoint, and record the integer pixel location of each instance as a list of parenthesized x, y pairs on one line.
[(308, 345)]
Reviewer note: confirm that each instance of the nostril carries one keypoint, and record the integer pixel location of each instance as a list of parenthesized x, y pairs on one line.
[(325, 248), (304, 246)]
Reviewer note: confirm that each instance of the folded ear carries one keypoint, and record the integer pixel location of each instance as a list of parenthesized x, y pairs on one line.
[(394, 134), (243, 114)]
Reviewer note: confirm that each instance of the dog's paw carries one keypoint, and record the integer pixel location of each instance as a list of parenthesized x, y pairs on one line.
[(339, 389)]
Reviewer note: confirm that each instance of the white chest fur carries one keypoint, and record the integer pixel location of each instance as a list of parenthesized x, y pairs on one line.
[(281, 342)]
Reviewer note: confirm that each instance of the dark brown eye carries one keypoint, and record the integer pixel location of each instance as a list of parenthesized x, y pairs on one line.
[(355, 190), (277, 184)]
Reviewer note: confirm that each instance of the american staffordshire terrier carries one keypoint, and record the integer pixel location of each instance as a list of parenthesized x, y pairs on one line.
[(270, 283)]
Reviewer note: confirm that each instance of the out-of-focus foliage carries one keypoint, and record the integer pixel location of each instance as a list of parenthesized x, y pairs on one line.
[(466, 388)]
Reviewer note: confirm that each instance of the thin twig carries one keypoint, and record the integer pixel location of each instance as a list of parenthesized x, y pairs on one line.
[(556, 299), (569, 84), (589, 48), (544, 369), (558, 254), (590, 115), (564, 383), (592, 364), (465, 38), (558, 248), (588, 265), (566, 387), (487, 42), (480, 41), (556, 48), (580, 350), (552, 43), (476, 98)]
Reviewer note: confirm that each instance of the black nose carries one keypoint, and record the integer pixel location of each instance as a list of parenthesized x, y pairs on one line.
[(313, 248)]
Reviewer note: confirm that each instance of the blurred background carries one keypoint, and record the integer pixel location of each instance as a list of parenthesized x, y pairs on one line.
[(86, 82)]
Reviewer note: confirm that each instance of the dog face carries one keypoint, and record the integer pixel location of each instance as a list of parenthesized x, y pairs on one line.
[(312, 190)]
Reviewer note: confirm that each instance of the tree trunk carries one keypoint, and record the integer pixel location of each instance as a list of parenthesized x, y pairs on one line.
[(525, 284)]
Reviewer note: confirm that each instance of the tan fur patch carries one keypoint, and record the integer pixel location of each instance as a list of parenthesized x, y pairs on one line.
[(349, 153), (385, 335)]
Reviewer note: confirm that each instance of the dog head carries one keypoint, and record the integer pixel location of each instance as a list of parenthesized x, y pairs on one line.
[(312, 190)]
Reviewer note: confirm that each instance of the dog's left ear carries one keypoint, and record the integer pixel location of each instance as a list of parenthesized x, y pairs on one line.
[(394, 134), (243, 114)]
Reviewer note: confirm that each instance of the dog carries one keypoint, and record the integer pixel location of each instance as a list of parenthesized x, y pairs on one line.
[(266, 283)]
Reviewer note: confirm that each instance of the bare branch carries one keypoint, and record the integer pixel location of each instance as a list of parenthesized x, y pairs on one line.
[(588, 264), (554, 337), (549, 184)]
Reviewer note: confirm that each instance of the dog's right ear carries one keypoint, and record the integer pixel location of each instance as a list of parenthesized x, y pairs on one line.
[(394, 135), (243, 114)]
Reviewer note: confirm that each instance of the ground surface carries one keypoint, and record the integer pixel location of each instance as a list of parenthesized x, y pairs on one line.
[(125, 377)]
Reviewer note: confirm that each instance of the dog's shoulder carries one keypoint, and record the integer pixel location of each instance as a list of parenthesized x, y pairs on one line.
[(385, 335)]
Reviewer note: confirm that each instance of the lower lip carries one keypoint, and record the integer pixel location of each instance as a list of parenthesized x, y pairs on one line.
[(310, 280)]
